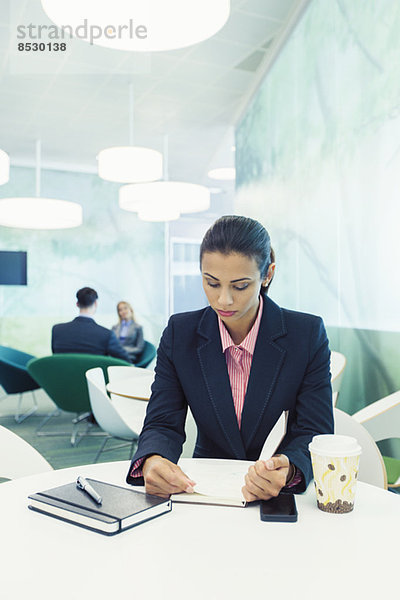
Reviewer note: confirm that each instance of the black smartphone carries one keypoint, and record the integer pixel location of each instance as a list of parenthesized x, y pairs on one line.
[(281, 509)]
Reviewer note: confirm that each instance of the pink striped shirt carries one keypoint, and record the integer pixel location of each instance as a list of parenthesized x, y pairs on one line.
[(238, 360)]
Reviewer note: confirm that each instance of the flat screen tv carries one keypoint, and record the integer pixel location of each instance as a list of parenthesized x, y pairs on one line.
[(13, 269)]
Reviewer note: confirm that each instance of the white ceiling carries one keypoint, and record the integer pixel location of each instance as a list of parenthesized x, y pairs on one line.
[(78, 103)]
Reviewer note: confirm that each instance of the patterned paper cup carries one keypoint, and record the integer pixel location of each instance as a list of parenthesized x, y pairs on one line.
[(335, 460)]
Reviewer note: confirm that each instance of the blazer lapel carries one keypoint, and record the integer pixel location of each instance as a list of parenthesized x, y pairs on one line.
[(267, 362), (216, 378)]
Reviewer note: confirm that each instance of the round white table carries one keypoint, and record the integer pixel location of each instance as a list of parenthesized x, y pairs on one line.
[(138, 388), (197, 551)]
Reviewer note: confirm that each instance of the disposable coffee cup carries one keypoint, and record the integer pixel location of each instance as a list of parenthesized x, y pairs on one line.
[(335, 460)]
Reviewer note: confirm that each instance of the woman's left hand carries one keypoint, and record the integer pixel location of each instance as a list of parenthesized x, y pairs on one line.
[(266, 478)]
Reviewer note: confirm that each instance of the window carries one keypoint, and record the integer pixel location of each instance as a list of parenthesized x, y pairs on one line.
[(186, 289)]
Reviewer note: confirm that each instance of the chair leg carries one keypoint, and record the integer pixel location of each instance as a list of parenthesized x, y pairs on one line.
[(47, 418), (21, 417), (82, 417), (77, 436), (110, 437), (102, 448), (74, 435)]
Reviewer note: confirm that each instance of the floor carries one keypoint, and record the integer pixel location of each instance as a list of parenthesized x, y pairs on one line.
[(56, 450)]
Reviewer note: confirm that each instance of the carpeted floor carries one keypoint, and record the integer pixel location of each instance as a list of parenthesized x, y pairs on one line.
[(57, 450)]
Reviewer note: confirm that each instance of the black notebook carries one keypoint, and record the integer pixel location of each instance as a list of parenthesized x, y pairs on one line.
[(121, 508)]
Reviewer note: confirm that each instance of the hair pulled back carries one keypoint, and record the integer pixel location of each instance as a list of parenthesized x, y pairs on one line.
[(242, 235)]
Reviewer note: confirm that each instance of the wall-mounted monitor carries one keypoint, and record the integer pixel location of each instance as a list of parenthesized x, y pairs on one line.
[(13, 268)]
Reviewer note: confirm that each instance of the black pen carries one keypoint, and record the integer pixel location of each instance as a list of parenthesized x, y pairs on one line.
[(84, 485)]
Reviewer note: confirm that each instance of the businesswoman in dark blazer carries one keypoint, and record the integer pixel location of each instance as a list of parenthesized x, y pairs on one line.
[(129, 333), (238, 364)]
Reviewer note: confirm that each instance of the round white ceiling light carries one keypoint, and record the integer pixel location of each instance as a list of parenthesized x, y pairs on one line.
[(184, 197), (39, 213), (158, 212), (129, 164), (139, 25)]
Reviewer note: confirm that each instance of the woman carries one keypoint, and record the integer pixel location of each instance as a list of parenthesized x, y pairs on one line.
[(238, 364), (129, 333)]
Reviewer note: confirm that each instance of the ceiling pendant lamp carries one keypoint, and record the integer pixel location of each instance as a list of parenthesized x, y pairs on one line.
[(158, 212), (130, 164), (4, 167), (140, 25), (164, 200), (127, 164), (39, 213), (184, 197)]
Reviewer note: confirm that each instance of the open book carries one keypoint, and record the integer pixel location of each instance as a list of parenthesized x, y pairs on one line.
[(220, 481)]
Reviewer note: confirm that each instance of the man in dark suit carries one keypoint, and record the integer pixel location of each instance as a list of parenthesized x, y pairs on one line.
[(83, 334)]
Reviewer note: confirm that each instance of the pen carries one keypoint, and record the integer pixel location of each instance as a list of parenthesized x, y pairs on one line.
[(84, 485)]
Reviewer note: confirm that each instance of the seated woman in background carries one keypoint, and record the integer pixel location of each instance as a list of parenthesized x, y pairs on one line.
[(129, 333)]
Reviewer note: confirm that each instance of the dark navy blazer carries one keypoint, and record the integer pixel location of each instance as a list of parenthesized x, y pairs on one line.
[(84, 335), (290, 371)]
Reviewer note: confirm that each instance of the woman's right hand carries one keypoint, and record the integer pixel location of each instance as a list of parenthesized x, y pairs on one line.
[(162, 477)]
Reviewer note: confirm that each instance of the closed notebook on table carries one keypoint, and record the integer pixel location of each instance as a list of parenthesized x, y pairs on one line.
[(121, 508)]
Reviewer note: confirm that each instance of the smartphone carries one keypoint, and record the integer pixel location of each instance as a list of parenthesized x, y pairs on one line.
[(280, 509)]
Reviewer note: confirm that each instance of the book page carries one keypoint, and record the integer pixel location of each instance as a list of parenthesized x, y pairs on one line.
[(221, 480), (275, 437), (218, 477)]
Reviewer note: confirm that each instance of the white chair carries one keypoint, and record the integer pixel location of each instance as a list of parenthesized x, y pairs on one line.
[(18, 458), (136, 375), (123, 422), (382, 420), (117, 373), (338, 364), (372, 468), (191, 435)]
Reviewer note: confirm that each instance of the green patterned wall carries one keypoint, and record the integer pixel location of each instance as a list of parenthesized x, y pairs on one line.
[(114, 252), (318, 162)]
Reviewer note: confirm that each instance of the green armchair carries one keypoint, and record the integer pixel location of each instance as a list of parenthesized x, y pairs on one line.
[(62, 376), (15, 379), (146, 356)]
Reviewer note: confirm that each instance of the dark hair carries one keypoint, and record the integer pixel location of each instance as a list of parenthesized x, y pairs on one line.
[(241, 235), (86, 297)]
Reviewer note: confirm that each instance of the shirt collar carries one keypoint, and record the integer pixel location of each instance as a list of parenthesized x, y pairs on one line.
[(249, 341)]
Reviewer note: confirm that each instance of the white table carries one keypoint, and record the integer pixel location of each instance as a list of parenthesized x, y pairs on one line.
[(138, 388), (198, 552)]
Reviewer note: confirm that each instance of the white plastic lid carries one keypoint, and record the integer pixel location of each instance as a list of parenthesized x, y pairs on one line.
[(334, 445)]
